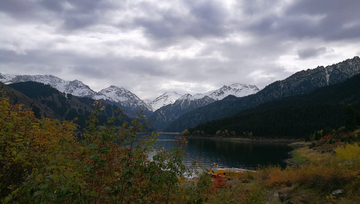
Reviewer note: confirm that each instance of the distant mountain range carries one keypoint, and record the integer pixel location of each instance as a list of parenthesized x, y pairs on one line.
[(131, 103), (167, 114), (299, 83), (175, 112), (118, 96)]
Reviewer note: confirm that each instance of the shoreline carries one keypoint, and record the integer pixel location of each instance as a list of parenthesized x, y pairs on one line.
[(249, 140)]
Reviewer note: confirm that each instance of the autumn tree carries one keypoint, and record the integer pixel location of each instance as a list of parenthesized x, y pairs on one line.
[(42, 161)]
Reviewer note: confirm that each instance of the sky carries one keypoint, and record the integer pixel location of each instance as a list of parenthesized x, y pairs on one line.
[(189, 46)]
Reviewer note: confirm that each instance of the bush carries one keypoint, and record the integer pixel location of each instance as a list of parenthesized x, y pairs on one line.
[(351, 152), (43, 162)]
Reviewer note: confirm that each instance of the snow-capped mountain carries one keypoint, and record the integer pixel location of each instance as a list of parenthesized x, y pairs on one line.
[(76, 87), (117, 96), (167, 107), (164, 100), (301, 82), (167, 114), (122, 96), (236, 89), (187, 102)]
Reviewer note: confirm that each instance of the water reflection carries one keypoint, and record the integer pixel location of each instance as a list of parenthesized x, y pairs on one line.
[(229, 153)]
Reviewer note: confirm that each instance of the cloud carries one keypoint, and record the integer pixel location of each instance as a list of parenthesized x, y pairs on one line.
[(311, 52), (153, 46)]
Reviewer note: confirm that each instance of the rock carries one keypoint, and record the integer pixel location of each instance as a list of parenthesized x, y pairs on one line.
[(337, 192)]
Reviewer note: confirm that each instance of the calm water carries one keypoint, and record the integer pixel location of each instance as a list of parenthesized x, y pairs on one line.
[(230, 154)]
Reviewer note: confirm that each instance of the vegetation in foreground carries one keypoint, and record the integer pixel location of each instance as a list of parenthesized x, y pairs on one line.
[(42, 161)]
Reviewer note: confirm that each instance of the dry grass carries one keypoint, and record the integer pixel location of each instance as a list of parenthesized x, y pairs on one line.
[(312, 155), (312, 182)]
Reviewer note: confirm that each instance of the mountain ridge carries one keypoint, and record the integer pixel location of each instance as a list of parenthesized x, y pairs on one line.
[(299, 83), (127, 100), (294, 116), (77, 88), (52, 103), (187, 102)]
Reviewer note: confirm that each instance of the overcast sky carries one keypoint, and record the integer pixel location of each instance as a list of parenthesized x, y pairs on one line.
[(189, 46)]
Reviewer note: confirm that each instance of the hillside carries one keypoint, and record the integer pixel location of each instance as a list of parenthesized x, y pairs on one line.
[(16, 97), (64, 106), (295, 116), (299, 83)]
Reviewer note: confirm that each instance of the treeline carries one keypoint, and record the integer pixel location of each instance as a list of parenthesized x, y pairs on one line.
[(294, 117)]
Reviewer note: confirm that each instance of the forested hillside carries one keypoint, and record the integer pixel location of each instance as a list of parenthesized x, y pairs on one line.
[(296, 116), (63, 106), (299, 83)]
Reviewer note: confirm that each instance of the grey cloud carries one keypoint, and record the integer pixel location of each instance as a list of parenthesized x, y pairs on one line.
[(304, 19), (205, 19), (257, 7), (210, 18), (273, 28), (55, 6), (311, 52), (86, 13), (20, 9), (82, 13), (73, 22), (334, 16)]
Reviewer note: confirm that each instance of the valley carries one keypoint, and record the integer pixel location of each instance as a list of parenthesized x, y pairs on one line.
[(250, 133)]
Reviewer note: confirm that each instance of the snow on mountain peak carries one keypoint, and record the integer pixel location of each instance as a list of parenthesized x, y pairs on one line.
[(236, 89), (76, 87), (125, 97), (164, 100), (122, 96)]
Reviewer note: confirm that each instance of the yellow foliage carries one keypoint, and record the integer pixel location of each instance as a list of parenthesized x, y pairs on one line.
[(27, 143), (349, 153), (185, 132)]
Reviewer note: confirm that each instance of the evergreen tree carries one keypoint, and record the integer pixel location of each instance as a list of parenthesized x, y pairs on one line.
[(350, 119)]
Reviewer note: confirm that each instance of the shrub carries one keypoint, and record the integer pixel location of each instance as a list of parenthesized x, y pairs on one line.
[(43, 162), (351, 152)]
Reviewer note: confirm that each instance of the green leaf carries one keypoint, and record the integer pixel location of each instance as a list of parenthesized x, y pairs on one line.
[(88, 168), (93, 146), (101, 163), (8, 198), (95, 157), (156, 158), (105, 149)]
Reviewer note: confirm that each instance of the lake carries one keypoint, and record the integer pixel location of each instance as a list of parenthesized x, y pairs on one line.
[(225, 153)]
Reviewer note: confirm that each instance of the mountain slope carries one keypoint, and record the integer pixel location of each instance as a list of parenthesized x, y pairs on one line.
[(120, 97), (164, 100), (298, 83), (294, 116), (236, 89), (16, 97), (76, 87), (167, 114), (123, 99), (65, 106)]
